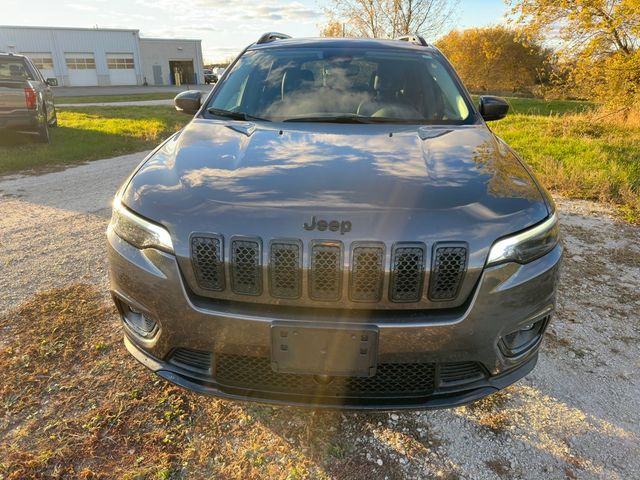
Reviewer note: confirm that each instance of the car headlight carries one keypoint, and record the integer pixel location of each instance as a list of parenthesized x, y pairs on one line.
[(137, 231), (526, 246)]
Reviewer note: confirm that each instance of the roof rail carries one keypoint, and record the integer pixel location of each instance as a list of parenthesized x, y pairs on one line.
[(271, 36), (415, 38)]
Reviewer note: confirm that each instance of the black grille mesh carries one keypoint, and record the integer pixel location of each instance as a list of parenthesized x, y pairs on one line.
[(407, 273), (392, 379), (367, 273), (246, 274), (206, 254), (449, 264), (325, 282), (285, 269)]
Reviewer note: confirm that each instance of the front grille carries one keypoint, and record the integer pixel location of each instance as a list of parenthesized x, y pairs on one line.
[(325, 278), (367, 273), (391, 379), (372, 276), (246, 271), (449, 265), (208, 262), (407, 272), (285, 269)]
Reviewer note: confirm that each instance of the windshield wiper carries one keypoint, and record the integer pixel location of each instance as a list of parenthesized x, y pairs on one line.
[(333, 119), (219, 112)]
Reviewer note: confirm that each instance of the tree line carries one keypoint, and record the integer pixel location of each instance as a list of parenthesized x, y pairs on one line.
[(569, 48)]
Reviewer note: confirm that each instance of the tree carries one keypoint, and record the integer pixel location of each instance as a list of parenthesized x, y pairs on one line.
[(599, 42), (390, 18), (333, 29), (495, 59)]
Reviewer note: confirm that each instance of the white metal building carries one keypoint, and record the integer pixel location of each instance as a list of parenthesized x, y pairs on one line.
[(100, 57)]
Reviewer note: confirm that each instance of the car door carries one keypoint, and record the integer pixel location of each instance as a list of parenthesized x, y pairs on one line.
[(43, 87)]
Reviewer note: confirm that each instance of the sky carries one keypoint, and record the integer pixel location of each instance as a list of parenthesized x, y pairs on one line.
[(224, 27)]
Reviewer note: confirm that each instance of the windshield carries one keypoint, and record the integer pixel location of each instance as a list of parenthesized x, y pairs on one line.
[(334, 84)]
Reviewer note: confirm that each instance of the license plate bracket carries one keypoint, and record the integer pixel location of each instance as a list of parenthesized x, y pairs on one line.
[(320, 350)]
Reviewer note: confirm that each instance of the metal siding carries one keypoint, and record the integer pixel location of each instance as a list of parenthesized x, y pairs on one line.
[(61, 41), (156, 51)]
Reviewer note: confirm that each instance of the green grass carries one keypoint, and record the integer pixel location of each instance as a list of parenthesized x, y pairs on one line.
[(580, 156), (134, 97), (92, 133)]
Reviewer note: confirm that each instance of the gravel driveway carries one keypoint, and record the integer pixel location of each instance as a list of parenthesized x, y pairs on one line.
[(576, 416)]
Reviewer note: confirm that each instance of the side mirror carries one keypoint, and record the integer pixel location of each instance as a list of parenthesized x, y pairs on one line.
[(52, 82), (493, 108), (188, 102)]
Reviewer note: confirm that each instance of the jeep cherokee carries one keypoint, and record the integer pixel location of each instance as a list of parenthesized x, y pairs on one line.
[(336, 226)]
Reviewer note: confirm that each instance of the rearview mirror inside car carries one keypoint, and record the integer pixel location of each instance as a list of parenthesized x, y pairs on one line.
[(188, 102), (493, 108)]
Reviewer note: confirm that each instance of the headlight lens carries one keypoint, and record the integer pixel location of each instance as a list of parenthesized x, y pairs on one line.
[(526, 246), (137, 231)]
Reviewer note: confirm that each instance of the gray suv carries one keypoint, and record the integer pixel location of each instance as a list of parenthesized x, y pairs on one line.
[(337, 226)]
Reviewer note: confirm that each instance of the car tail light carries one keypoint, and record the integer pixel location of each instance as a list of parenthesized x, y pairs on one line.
[(31, 98)]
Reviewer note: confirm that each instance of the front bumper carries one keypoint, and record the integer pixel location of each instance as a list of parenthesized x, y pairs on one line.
[(506, 297)]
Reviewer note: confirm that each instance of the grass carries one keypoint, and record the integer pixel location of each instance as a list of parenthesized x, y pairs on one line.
[(134, 97), (92, 133), (581, 156)]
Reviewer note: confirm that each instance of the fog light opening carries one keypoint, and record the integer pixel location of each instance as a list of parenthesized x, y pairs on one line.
[(524, 339), (137, 321)]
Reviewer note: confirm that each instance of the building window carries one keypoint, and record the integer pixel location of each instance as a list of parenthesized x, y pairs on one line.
[(42, 61), (120, 61), (80, 61)]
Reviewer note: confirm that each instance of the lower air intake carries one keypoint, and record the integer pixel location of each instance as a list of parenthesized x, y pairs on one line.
[(391, 379), (193, 360)]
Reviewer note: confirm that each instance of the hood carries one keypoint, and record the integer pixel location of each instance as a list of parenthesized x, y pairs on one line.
[(243, 178)]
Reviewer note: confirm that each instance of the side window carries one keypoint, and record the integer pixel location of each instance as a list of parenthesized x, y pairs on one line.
[(231, 95)]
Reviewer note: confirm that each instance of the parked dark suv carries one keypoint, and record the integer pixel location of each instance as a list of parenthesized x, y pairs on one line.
[(337, 226)]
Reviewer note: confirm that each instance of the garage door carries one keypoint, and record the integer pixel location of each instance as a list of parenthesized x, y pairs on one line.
[(122, 70), (82, 69), (43, 61)]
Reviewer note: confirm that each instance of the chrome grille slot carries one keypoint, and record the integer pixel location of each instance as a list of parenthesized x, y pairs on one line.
[(285, 269), (208, 261), (447, 271), (246, 272), (325, 276), (367, 272), (407, 272)]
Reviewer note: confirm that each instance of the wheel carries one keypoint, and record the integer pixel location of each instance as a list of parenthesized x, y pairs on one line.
[(43, 131)]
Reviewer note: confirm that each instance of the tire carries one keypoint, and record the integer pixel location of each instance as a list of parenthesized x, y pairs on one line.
[(43, 131)]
